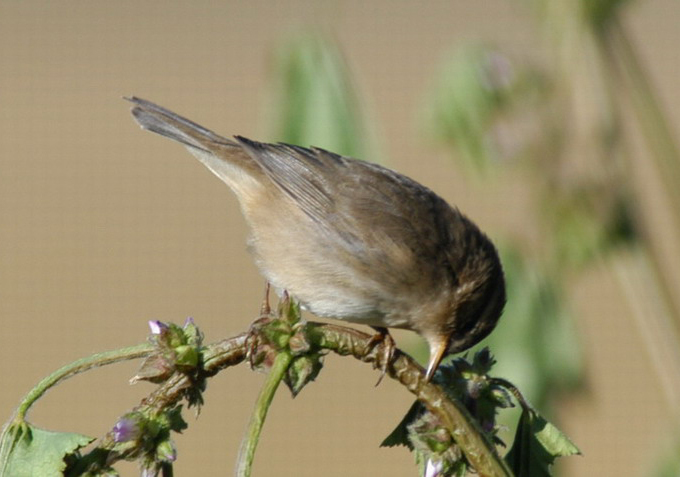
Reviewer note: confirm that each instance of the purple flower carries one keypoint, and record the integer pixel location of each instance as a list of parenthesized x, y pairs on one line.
[(126, 429), (157, 327)]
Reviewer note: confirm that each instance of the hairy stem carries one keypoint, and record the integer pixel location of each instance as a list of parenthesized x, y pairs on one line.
[(264, 400), (77, 367), (481, 453)]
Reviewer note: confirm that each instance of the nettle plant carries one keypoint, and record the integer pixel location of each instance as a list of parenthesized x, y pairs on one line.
[(451, 428)]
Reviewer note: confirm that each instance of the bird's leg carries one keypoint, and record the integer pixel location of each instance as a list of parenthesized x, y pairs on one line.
[(265, 317), (265, 309), (383, 336)]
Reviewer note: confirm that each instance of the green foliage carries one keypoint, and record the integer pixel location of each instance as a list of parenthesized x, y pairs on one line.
[(490, 110), (588, 222), (535, 340), (478, 107), (303, 369), (599, 13), (314, 100), (286, 333), (670, 462), (537, 444), (176, 349), (27, 451)]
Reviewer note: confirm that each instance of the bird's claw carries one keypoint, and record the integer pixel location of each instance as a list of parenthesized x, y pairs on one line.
[(382, 337), (253, 339)]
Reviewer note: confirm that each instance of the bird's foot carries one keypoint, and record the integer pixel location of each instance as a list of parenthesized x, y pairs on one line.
[(382, 337), (254, 340)]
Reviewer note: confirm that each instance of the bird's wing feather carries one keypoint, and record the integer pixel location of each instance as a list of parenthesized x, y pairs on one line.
[(346, 195), (300, 173)]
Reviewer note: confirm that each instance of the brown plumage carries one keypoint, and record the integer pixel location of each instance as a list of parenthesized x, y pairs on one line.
[(353, 240)]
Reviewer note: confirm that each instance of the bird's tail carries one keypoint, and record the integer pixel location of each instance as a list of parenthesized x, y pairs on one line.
[(157, 119), (226, 158)]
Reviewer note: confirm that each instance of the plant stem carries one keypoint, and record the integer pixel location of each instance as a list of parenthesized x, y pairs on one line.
[(481, 453), (76, 367), (514, 391), (264, 400)]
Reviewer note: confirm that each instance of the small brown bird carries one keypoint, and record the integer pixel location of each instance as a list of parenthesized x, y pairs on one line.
[(353, 240)]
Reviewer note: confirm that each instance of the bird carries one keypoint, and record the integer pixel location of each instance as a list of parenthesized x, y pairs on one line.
[(353, 240)]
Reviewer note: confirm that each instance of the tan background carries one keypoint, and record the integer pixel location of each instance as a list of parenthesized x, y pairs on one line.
[(103, 227)]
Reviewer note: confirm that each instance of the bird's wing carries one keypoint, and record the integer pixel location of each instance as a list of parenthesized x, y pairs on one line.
[(373, 211), (302, 174)]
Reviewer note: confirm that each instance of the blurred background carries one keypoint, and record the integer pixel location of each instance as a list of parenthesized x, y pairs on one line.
[(551, 123)]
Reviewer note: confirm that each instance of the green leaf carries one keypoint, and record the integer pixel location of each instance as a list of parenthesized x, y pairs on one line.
[(535, 342), (302, 371), (314, 100), (669, 464), (399, 436), (537, 444), (29, 451), (479, 100), (552, 439)]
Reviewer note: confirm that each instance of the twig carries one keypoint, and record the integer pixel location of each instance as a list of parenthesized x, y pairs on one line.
[(480, 453)]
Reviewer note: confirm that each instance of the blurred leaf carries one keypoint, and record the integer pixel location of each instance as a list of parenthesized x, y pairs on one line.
[(559, 17), (535, 342), (29, 451), (670, 464), (537, 444), (599, 13), (314, 101), (587, 221), (478, 105)]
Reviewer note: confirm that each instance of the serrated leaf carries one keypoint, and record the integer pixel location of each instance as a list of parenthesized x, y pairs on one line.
[(399, 436), (537, 444), (552, 439), (32, 451)]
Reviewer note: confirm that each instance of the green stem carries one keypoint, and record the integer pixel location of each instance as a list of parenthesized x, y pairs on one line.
[(264, 400), (464, 429), (167, 470), (480, 453), (79, 366), (514, 390)]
